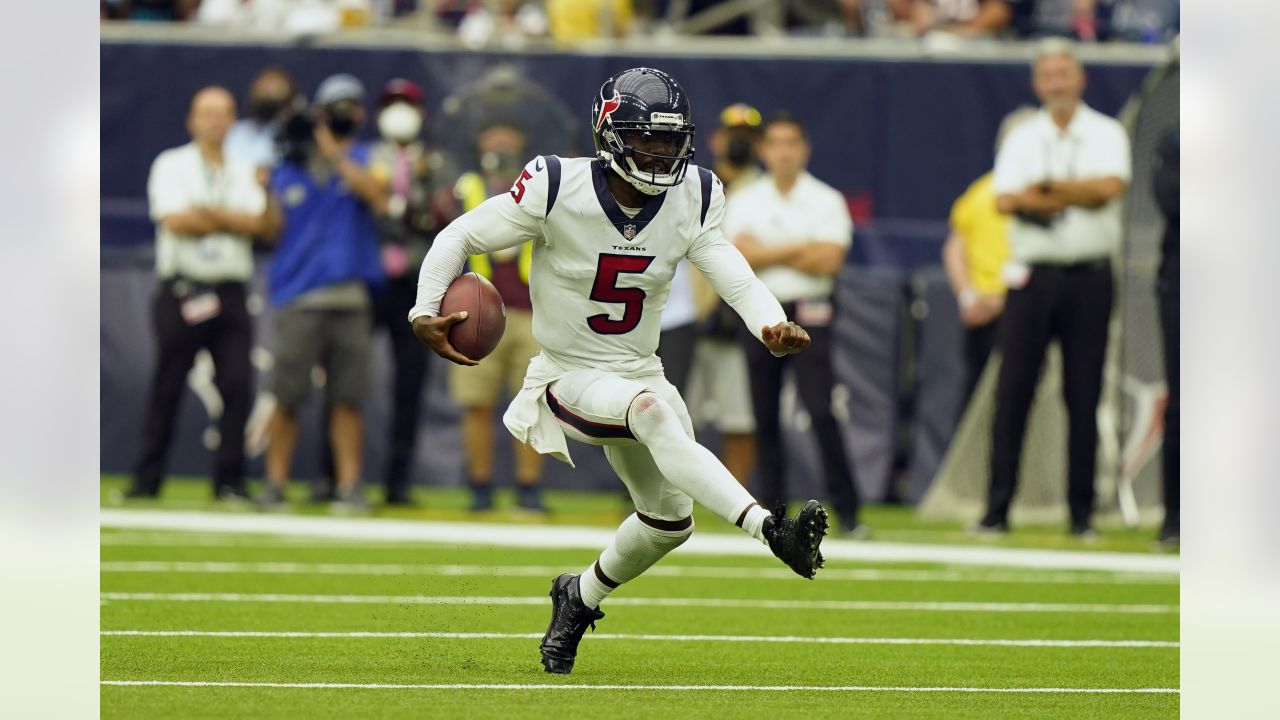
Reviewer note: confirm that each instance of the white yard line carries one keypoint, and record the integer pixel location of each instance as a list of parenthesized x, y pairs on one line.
[(681, 571), (787, 639), (1141, 609), (664, 688), (545, 536)]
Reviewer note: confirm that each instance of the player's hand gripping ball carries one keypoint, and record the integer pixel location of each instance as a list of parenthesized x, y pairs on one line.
[(471, 321)]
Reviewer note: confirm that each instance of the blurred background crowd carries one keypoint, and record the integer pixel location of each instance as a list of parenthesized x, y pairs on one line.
[(512, 23), (267, 202)]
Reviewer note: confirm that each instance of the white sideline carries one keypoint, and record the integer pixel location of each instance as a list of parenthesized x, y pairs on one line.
[(978, 642), (745, 573), (722, 688), (544, 536), (1142, 609)]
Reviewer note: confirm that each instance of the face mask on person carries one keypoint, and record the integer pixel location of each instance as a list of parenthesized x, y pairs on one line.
[(399, 122), (739, 150), (265, 109)]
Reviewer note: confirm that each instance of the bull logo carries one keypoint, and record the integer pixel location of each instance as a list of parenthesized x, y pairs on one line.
[(607, 107)]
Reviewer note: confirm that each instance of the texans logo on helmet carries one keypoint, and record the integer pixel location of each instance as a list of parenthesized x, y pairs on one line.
[(608, 106)]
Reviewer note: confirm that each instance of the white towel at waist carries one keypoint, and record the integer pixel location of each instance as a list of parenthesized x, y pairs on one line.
[(530, 419)]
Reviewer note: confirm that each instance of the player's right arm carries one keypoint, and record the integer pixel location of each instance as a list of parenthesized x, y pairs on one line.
[(501, 222)]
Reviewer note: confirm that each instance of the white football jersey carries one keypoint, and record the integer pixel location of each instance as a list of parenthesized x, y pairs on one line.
[(600, 278)]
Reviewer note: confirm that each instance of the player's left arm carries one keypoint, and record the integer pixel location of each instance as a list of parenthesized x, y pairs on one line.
[(732, 278)]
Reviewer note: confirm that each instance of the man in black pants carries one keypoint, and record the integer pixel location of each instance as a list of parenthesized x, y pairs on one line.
[(206, 208), (1167, 167), (420, 204), (1061, 176), (795, 231)]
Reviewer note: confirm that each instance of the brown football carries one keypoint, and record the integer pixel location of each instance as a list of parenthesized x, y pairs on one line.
[(479, 334)]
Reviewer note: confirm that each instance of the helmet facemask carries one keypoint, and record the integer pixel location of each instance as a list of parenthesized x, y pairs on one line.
[(651, 156)]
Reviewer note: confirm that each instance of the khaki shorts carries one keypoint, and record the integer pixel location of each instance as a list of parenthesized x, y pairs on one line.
[(481, 385), (339, 340)]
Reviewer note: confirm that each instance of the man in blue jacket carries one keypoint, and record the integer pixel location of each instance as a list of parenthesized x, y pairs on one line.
[(325, 263)]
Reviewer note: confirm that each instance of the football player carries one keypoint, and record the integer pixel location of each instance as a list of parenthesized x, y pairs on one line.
[(608, 232)]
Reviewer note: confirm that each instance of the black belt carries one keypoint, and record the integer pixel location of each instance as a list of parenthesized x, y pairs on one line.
[(1096, 264), (183, 286)]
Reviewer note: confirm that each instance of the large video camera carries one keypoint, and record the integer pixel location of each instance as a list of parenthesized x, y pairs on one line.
[(296, 138)]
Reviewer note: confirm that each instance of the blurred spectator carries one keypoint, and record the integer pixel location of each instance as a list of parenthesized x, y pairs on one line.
[(1061, 176), (974, 253), (420, 204), (326, 261), (477, 389), (508, 23), (256, 14), (1166, 184), (795, 230), (965, 18), (718, 392), (152, 10), (574, 20), (206, 207), (505, 96), (1063, 18), (252, 140), (1147, 21), (679, 328)]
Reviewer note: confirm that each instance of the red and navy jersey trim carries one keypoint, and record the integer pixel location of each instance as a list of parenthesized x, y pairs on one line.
[(584, 426)]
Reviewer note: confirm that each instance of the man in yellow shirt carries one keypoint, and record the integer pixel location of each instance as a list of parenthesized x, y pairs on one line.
[(574, 20), (974, 255)]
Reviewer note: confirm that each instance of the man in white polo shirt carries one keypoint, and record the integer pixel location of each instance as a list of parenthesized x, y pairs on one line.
[(795, 231), (1061, 177), (206, 208)]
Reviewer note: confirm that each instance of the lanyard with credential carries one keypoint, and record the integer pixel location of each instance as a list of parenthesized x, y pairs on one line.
[(215, 196)]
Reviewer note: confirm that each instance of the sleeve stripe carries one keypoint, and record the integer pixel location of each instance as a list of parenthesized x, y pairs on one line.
[(553, 181), (705, 176)]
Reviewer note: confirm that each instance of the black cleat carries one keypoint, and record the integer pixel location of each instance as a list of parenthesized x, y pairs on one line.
[(796, 542), (569, 620)]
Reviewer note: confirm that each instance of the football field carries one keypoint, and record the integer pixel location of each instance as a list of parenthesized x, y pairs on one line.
[(230, 623)]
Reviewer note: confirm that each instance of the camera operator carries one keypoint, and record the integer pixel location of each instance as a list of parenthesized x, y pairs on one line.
[(320, 280), (1061, 175)]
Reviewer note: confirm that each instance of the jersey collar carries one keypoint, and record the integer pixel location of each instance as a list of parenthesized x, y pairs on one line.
[(614, 213)]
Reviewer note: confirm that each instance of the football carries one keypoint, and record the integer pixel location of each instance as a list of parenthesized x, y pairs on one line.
[(479, 334)]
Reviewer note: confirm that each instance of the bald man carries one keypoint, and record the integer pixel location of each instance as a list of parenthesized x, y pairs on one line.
[(206, 208), (1061, 178)]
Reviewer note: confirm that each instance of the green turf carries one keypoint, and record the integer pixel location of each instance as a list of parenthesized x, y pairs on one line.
[(495, 572)]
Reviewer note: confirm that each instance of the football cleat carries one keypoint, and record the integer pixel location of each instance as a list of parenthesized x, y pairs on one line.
[(569, 620), (796, 541)]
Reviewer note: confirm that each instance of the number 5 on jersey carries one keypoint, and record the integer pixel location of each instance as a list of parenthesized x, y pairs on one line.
[(606, 290), (517, 190)]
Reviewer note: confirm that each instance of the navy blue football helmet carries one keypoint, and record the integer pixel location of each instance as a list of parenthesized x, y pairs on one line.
[(643, 128)]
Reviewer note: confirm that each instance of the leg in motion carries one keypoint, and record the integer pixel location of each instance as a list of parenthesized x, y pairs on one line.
[(662, 522), (696, 472)]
